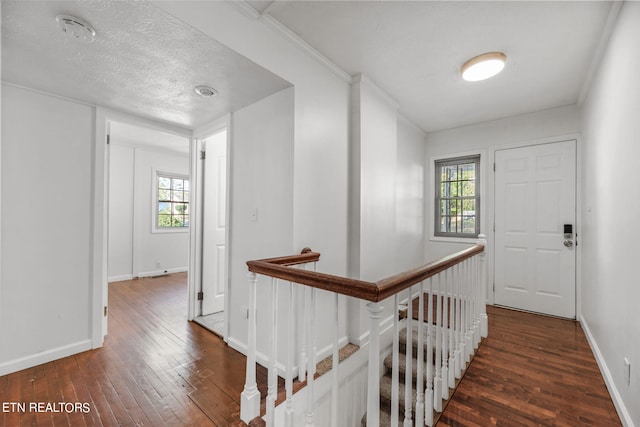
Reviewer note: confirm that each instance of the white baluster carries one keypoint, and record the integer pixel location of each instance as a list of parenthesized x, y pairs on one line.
[(395, 365), (373, 370), (250, 398), (437, 382), (301, 292), (482, 258), (476, 304), (290, 350), (458, 326), (446, 280), (335, 377), (452, 318), (311, 360), (420, 358), (428, 409), (272, 379), (469, 314), (408, 375)]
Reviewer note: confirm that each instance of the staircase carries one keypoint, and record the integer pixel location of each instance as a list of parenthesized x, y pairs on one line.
[(386, 380)]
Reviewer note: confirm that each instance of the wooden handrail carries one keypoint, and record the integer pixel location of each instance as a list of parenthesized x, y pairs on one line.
[(369, 291)]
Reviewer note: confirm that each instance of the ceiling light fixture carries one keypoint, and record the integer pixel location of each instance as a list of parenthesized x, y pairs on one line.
[(76, 28), (483, 66), (205, 91)]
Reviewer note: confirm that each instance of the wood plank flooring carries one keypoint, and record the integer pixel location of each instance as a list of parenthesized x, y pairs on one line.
[(532, 370)]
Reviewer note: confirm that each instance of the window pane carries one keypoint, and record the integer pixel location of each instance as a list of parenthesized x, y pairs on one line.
[(469, 207), (164, 208), (164, 182), (164, 195), (186, 185), (469, 224), (176, 196), (164, 220), (177, 184), (449, 173), (468, 188), (467, 171)]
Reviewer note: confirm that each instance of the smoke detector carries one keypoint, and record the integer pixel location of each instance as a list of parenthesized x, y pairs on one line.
[(76, 28), (205, 91)]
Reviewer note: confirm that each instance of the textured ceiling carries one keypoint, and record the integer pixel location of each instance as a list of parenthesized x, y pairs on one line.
[(143, 61), (413, 51)]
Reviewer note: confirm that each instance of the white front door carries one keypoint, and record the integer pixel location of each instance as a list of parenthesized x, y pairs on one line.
[(214, 251), (535, 205)]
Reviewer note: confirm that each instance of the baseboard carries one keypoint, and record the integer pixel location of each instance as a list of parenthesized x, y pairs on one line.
[(161, 272), (263, 359), (623, 413), (120, 278), (44, 357)]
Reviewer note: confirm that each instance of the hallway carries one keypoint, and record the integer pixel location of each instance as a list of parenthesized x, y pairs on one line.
[(155, 365)]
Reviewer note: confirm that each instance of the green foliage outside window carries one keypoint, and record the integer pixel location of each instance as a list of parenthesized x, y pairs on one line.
[(173, 202)]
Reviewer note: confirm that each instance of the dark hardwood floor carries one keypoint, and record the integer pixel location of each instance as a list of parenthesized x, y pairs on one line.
[(532, 370), (156, 368)]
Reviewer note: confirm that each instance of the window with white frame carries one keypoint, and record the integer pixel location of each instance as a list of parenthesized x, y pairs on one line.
[(457, 201), (172, 202)]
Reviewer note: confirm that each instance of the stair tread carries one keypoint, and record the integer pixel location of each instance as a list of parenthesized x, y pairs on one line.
[(402, 367)]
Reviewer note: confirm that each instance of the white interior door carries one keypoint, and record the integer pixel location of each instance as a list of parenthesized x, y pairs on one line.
[(535, 190), (214, 251)]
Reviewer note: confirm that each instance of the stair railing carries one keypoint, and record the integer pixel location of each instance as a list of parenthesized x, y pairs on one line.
[(456, 320)]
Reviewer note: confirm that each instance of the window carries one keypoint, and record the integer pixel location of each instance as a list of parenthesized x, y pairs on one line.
[(457, 201), (172, 201)]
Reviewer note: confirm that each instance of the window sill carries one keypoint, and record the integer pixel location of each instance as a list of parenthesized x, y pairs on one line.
[(170, 230)]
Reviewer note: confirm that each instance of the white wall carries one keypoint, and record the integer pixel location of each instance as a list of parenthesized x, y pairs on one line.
[(410, 175), (611, 207), (121, 175), (484, 139), (134, 249), (47, 156), (373, 193), (262, 181)]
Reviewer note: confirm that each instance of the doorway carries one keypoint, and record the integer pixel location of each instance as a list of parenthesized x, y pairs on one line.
[(535, 228), (212, 177)]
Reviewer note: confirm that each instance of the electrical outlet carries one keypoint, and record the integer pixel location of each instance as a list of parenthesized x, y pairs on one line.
[(627, 371), (245, 311)]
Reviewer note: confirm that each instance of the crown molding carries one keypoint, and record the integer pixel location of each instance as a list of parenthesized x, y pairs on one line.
[(269, 21), (285, 32), (364, 80), (603, 43)]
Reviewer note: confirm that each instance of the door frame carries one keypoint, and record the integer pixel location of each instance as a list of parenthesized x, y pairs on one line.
[(100, 219), (196, 229), (490, 206)]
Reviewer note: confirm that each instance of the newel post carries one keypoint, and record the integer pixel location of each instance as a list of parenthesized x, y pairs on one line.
[(250, 398), (484, 320)]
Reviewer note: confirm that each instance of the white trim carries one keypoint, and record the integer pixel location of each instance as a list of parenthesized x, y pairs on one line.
[(155, 173), (100, 214), (612, 18), (431, 195), (155, 273), (285, 32), (364, 80), (263, 359), (490, 206), (405, 120), (120, 278), (44, 357), (623, 413)]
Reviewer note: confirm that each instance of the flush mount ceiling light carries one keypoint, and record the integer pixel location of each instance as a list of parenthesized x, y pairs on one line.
[(483, 66), (205, 91), (76, 28)]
